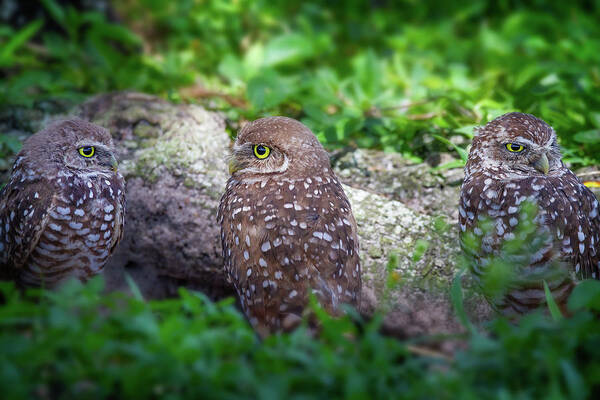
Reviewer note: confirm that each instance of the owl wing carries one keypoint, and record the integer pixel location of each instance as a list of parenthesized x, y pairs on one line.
[(319, 249), (119, 215), (566, 207), (576, 212), (333, 247), (24, 214)]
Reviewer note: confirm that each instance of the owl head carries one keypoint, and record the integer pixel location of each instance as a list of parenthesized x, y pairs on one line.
[(71, 145), (276, 145), (513, 145)]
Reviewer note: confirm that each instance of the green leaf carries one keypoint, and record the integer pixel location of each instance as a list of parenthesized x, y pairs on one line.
[(135, 290), (589, 137), (456, 296), (289, 48), (463, 153), (595, 119), (552, 306), (585, 295), (55, 10), (112, 31), (466, 130), (575, 383), (450, 165), (268, 89), (232, 68), (18, 40), (368, 77), (421, 247), (11, 142)]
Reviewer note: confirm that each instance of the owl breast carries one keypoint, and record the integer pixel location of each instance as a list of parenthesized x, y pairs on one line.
[(84, 224), (283, 237), (564, 247)]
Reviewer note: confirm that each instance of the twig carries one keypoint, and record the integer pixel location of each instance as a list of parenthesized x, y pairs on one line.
[(37, 49), (589, 173), (408, 105), (378, 111), (420, 117), (424, 351), (197, 91)]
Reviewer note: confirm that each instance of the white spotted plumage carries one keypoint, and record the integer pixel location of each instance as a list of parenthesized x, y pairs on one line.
[(63, 230), (497, 183), (298, 229)]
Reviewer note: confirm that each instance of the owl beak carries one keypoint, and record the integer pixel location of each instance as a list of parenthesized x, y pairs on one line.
[(542, 164), (234, 166), (113, 163)]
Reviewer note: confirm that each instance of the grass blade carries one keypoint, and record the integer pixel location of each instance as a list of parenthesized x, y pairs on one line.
[(18, 40), (552, 306), (463, 153), (135, 290), (456, 296)]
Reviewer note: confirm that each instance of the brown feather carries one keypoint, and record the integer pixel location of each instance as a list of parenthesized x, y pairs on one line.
[(287, 227)]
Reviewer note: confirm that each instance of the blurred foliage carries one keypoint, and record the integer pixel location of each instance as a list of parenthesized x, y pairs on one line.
[(82, 343), (406, 76), (502, 269), (9, 145), (508, 267), (378, 74)]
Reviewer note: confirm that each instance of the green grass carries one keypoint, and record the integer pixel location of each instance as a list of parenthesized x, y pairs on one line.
[(82, 343)]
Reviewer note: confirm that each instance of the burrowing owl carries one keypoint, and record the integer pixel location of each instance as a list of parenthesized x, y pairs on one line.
[(286, 226), (515, 159), (61, 213)]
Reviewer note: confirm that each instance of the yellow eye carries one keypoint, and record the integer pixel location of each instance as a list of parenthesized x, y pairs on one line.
[(261, 152), (514, 148), (87, 151)]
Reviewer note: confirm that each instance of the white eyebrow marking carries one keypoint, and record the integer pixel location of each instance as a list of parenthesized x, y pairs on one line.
[(521, 139)]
